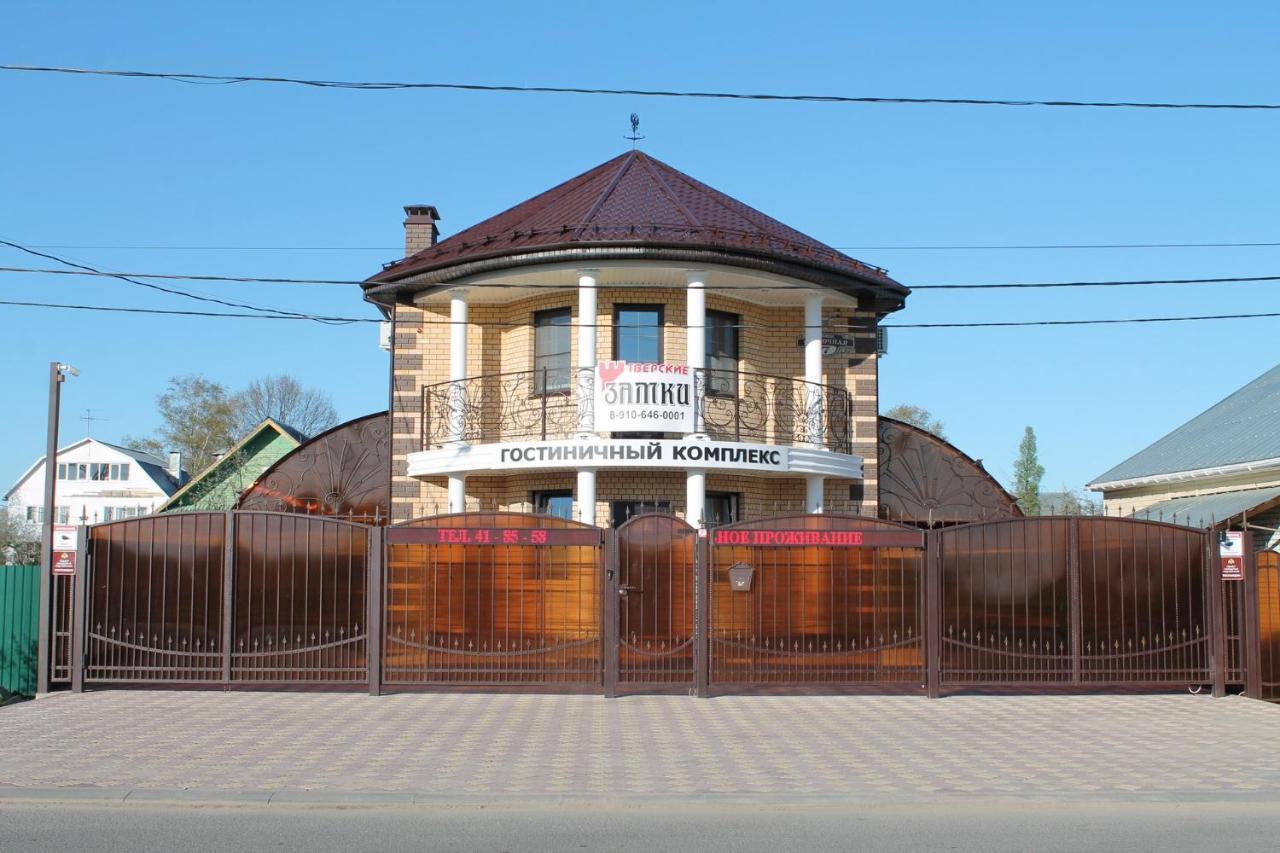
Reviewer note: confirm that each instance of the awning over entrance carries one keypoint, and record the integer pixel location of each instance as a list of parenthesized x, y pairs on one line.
[(1206, 510)]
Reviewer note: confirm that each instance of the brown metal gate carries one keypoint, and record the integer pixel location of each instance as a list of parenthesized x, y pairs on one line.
[(1083, 601), (1267, 572), (654, 602), (169, 601), (493, 599), (817, 599)]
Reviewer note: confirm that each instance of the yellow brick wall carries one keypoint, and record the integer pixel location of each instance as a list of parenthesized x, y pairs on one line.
[(500, 341)]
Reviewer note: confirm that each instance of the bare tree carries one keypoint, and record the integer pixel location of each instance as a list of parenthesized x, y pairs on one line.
[(283, 398), (197, 417), (917, 416)]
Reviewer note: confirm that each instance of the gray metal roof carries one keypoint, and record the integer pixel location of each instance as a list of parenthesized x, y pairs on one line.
[(1245, 427), (1204, 510)]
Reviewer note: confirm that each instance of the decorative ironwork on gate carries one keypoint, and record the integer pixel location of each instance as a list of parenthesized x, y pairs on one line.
[(492, 599)]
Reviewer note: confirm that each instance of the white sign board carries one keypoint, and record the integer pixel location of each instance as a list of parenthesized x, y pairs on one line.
[(643, 397), (1231, 552), (64, 537)]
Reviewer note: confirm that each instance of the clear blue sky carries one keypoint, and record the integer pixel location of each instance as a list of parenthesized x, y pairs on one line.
[(98, 162)]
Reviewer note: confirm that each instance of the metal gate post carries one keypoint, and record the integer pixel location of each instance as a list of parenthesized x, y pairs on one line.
[(609, 638), (375, 583), (933, 613), (701, 632), (1217, 626), (80, 581), (1076, 603), (228, 591)]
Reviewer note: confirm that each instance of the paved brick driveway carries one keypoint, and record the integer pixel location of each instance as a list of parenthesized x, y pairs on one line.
[(487, 745)]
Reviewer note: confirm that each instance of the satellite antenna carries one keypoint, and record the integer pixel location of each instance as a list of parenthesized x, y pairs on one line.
[(635, 127)]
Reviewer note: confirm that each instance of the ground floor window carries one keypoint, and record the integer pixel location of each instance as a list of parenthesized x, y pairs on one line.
[(621, 511), (554, 502), (720, 508)]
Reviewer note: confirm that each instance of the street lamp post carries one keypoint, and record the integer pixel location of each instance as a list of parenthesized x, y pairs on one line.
[(57, 375)]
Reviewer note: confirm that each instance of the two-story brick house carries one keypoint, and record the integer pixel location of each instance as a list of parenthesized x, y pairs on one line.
[(750, 376)]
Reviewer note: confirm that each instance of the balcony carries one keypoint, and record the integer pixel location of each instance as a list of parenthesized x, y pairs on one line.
[(541, 405)]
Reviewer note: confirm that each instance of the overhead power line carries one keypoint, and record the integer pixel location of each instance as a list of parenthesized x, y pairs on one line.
[(88, 270), (792, 327), (895, 248), (552, 286), (223, 79)]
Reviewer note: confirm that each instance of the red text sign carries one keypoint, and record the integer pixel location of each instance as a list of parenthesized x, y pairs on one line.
[(492, 536), (829, 538)]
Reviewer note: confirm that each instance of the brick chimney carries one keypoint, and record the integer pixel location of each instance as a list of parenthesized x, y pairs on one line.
[(420, 229)]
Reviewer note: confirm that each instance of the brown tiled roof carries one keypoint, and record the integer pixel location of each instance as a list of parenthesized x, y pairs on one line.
[(634, 199)]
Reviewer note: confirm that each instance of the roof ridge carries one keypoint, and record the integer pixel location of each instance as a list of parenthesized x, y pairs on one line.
[(666, 189), (623, 168)]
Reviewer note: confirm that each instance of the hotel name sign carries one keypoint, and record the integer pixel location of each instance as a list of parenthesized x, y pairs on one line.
[(643, 397), (668, 453)]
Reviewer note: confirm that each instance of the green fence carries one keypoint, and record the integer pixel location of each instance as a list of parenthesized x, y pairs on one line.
[(19, 630)]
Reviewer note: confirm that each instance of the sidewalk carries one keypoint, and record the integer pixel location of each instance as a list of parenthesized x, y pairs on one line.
[(304, 747)]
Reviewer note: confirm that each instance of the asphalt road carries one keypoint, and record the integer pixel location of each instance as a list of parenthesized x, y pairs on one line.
[(700, 825)]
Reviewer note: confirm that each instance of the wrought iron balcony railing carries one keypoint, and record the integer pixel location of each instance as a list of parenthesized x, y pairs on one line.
[(539, 405)]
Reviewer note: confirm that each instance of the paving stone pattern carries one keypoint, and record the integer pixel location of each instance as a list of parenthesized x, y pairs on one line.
[(485, 745)]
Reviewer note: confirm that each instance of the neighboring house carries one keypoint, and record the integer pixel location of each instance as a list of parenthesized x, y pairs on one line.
[(1217, 467), (96, 482), (218, 486)]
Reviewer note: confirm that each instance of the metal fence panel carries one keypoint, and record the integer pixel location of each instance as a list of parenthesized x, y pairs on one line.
[(19, 629), (492, 599), (1074, 601), (155, 603), (1268, 586), (299, 599), (811, 614)]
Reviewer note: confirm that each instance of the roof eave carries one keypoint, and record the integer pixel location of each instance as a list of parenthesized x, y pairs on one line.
[(388, 290), (1183, 476)]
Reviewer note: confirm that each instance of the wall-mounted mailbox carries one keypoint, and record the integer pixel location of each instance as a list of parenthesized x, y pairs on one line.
[(740, 575)]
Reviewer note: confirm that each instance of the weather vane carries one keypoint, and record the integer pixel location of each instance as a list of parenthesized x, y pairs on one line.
[(635, 127)]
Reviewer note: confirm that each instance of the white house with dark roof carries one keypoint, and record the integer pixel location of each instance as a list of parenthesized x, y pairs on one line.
[(97, 481), (1218, 466)]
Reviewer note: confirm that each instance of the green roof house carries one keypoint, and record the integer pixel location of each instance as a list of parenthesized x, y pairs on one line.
[(218, 486)]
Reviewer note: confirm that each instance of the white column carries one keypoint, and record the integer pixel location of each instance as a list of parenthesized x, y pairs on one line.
[(696, 342), (586, 378), (457, 493), (457, 390), (695, 497), (584, 501), (813, 488), (814, 402)]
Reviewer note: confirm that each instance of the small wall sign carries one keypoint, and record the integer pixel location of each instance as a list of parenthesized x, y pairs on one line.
[(1231, 552), (64, 562)]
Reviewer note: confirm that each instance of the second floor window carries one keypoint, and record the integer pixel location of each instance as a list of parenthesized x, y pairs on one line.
[(722, 354), (551, 335), (637, 333)]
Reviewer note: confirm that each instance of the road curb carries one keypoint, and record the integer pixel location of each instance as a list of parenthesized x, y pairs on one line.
[(302, 798)]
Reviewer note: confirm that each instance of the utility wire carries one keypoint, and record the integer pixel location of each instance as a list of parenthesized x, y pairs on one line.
[(222, 79), (792, 327), (550, 286), (124, 277), (899, 248)]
